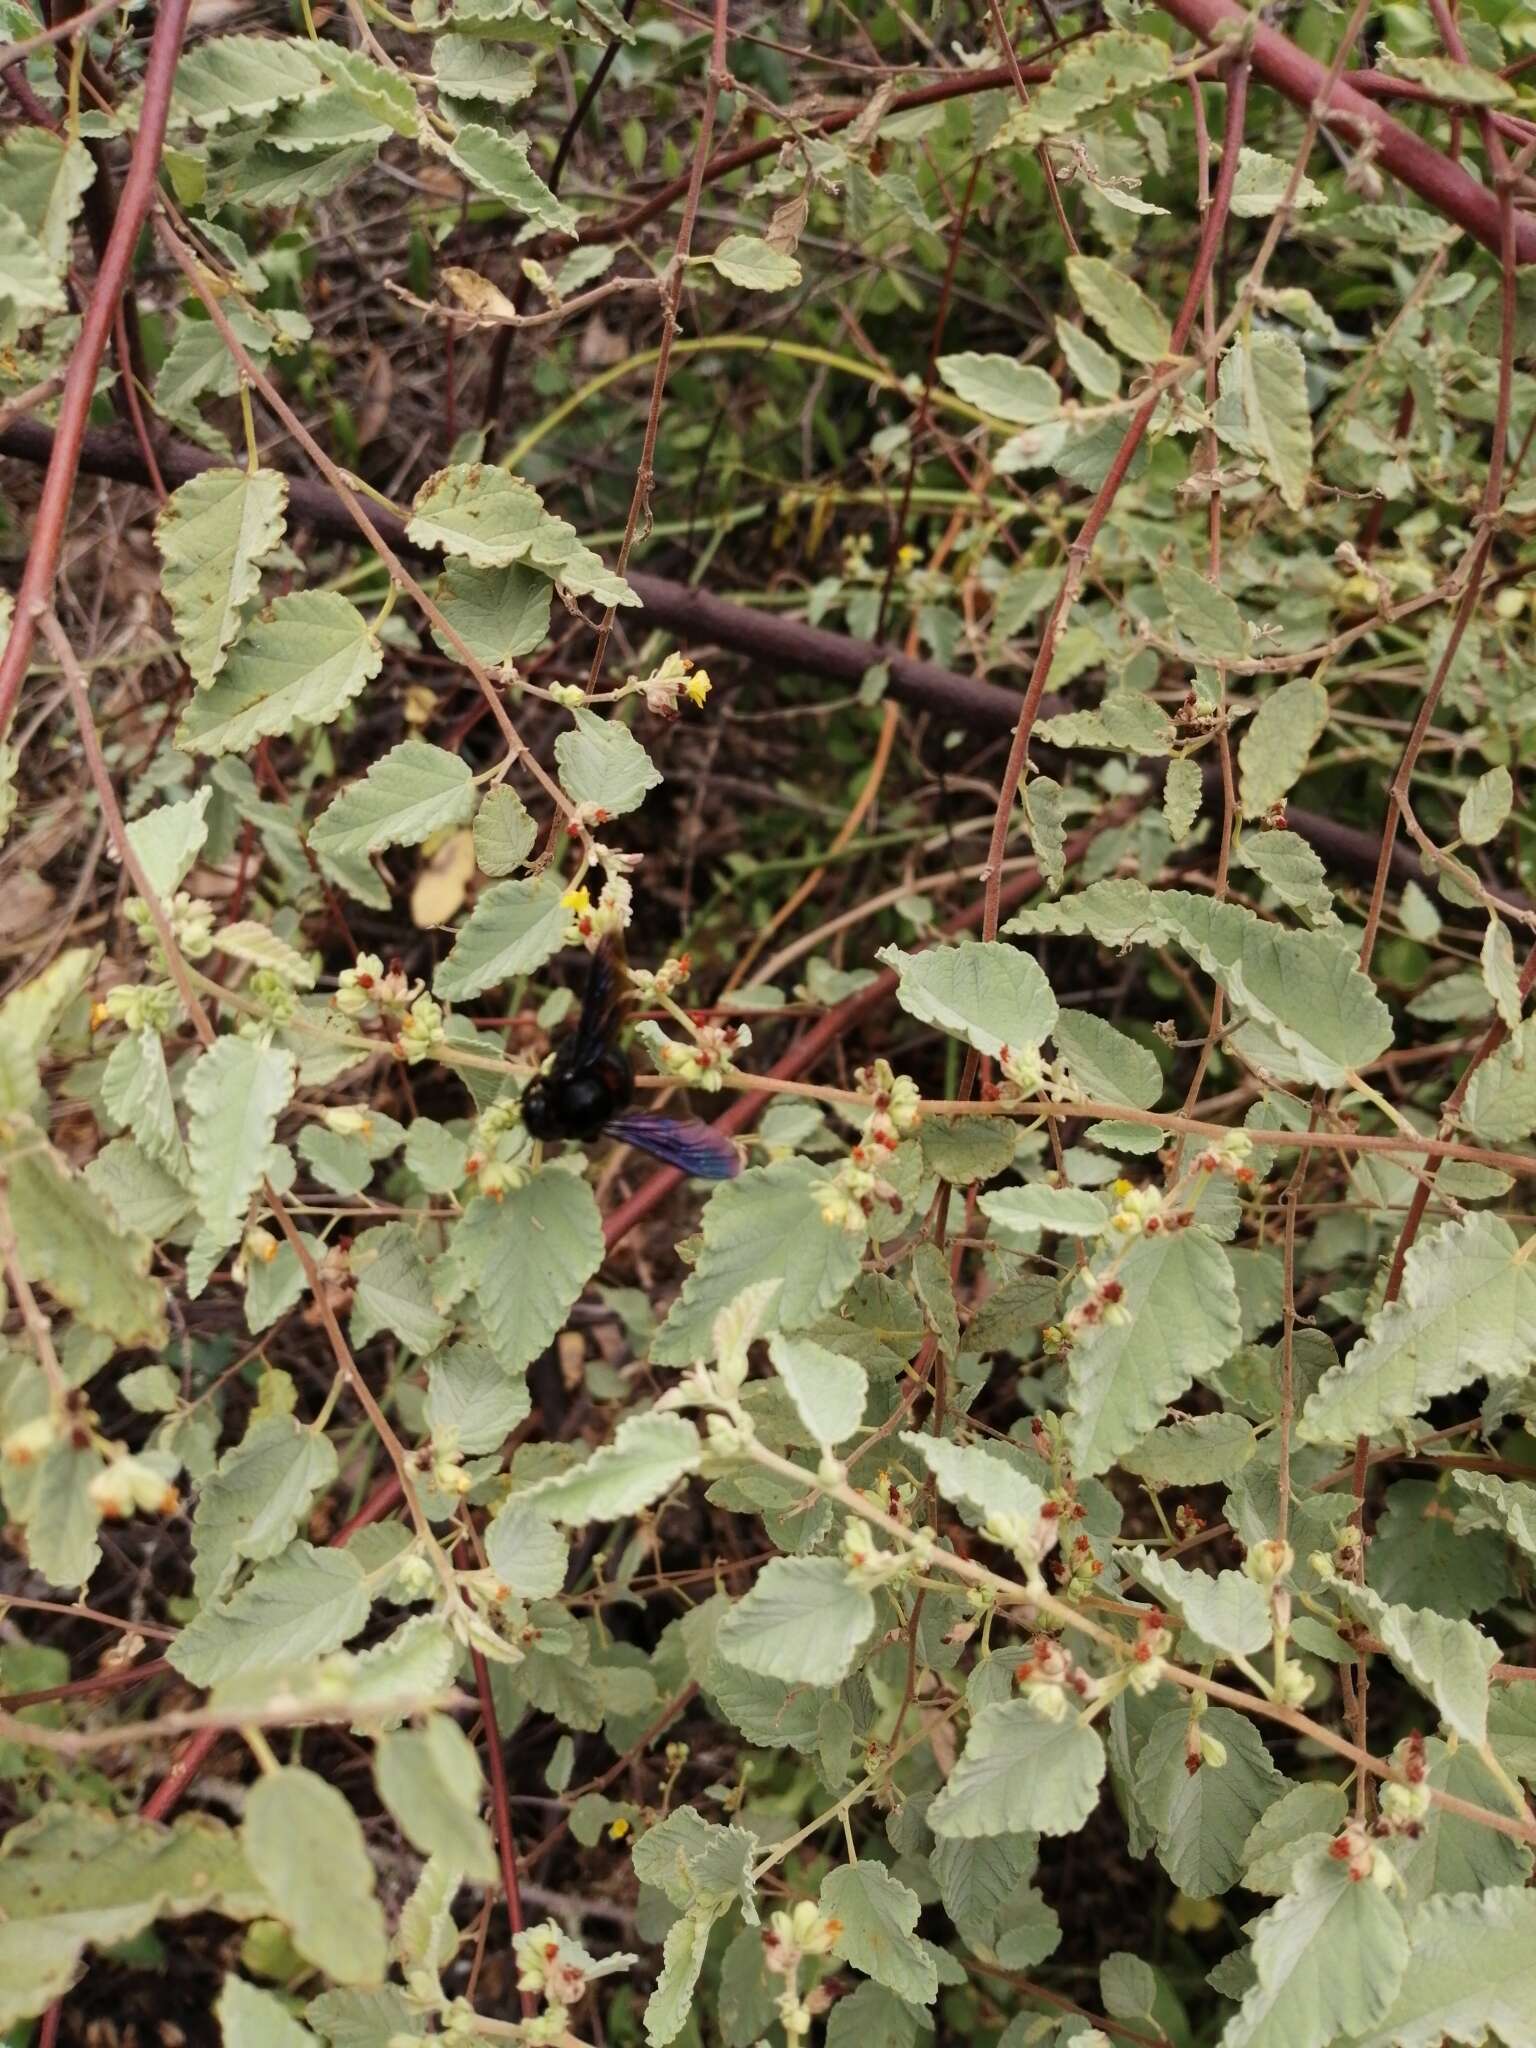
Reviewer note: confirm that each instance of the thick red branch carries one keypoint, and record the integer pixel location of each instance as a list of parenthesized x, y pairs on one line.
[(1438, 181), (134, 203)]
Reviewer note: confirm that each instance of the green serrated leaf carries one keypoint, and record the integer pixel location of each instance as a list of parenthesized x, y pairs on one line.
[(976, 1478), (1072, 1212), (527, 1551), (527, 1258), (512, 930), (802, 1622), (231, 78), (254, 1503), (1008, 390), (1261, 183), (1467, 1308), (76, 1875), (1119, 305), (1092, 74), (431, 1781), (603, 765), (306, 1846), (1203, 615), (235, 1093), (647, 1457), (300, 662), (756, 265), (1305, 989), (1329, 1960), (1202, 1819), (765, 1225), (251, 2018), (1021, 1772), (1450, 1662), (498, 166), (1225, 1609), (1278, 743), (1471, 1974), (878, 1916), (504, 832), (500, 614), (1181, 1322), (1262, 409), (394, 1289), (473, 1401), (991, 995), (68, 1242), (407, 794), (299, 1604), (829, 1391), (213, 533), (168, 839)]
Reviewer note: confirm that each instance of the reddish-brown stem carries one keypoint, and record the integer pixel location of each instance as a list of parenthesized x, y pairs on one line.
[(960, 86), (501, 346), (501, 1810), (1042, 153), (134, 202), (1348, 113), (716, 80), (1082, 548), (83, 1688)]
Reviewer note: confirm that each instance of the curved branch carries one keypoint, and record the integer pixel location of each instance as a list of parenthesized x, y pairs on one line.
[(1424, 169), (134, 202)]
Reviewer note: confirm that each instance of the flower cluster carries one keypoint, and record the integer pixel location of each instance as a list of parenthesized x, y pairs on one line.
[(366, 990), (144, 1006), (1406, 1807), (1354, 1849), (1031, 1538), (130, 1485), (611, 914), (1052, 1680), (705, 1062), (657, 983), (1154, 1639), (676, 678), (190, 919), (869, 1565), (896, 1109), (558, 1970), (787, 1940), (1231, 1155)]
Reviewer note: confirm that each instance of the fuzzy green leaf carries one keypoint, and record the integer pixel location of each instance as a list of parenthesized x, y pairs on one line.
[(1180, 1322), (991, 995), (1020, 1771), (512, 930), (300, 662), (407, 794), (527, 1258), (802, 1622), (213, 534), (306, 1845)]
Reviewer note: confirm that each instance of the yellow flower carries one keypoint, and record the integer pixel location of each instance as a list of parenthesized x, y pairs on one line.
[(577, 900), (696, 689), (618, 1829)]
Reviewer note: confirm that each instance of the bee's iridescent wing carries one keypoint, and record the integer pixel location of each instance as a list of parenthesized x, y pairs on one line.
[(695, 1147), (603, 1003)]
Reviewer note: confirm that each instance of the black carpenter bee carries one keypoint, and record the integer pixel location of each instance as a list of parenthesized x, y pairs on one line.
[(590, 1084)]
